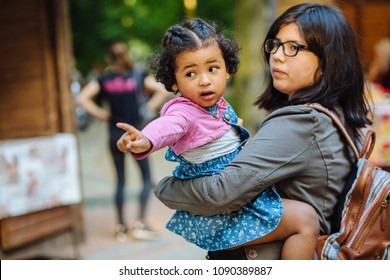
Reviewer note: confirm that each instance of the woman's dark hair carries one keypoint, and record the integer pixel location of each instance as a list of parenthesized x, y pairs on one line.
[(191, 36), (118, 54), (330, 37)]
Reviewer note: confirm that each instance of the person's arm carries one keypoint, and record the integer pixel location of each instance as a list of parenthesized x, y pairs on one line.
[(85, 99), (275, 153), (164, 131), (159, 96)]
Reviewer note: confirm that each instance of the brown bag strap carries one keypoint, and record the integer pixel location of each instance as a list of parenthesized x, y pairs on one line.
[(368, 143)]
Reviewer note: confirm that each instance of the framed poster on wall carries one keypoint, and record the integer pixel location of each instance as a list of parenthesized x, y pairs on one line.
[(38, 173)]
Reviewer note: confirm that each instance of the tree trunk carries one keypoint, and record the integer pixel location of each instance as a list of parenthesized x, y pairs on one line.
[(252, 19)]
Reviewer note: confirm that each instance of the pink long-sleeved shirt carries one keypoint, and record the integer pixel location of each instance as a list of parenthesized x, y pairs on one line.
[(184, 125)]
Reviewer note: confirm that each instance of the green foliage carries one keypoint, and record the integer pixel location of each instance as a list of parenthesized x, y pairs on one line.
[(221, 11), (142, 23)]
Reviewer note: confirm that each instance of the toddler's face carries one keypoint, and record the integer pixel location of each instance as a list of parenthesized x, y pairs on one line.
[(201, 75)]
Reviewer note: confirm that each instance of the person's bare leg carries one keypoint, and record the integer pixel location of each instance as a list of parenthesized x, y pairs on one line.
[(301, 220), (299, 227)]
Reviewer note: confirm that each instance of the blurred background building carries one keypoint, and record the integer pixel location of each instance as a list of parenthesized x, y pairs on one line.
[(50, 48)]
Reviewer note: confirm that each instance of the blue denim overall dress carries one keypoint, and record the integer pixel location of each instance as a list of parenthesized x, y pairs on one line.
[(254, 220)]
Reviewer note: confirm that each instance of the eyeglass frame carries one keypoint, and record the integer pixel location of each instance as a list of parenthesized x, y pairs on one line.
[(278, 44)]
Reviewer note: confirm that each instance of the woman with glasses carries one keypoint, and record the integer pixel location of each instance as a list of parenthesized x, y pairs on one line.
[(312, 55)]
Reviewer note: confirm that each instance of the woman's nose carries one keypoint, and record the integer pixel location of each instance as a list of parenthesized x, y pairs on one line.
[(279, 55)]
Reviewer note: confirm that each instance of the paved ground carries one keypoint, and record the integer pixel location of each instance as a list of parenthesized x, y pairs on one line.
[(99, 218)]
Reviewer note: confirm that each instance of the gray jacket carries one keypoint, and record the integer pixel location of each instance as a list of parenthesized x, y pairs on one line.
[(296, 148)]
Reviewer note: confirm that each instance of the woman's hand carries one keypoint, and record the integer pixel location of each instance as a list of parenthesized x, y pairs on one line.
[(85, 99), (132, 140)]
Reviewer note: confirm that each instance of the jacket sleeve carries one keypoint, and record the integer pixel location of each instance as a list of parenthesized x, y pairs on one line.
[(276, 152), (167, 129)]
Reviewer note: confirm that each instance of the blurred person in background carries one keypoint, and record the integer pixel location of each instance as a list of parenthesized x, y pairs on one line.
[(379, 69), (124, 88)]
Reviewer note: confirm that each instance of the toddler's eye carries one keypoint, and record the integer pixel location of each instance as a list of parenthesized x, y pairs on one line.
[(213, 69), (190, 74)]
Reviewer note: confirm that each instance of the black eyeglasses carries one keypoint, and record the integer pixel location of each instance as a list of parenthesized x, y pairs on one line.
[(290, 48)]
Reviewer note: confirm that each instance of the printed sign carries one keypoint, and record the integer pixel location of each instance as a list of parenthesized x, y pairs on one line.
[(38, 173)]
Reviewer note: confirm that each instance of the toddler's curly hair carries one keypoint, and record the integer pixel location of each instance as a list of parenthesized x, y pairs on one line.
[(191, 36)]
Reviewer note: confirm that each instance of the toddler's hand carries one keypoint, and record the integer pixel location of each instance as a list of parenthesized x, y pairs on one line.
[(132, 140)]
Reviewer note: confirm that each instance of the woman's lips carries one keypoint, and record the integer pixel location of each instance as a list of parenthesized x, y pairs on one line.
[(277, 72)]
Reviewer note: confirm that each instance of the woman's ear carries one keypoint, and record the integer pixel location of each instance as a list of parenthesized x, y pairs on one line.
[(175, 88)]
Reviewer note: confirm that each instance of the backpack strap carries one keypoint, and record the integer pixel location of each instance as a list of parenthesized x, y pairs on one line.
[(368, 143)]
